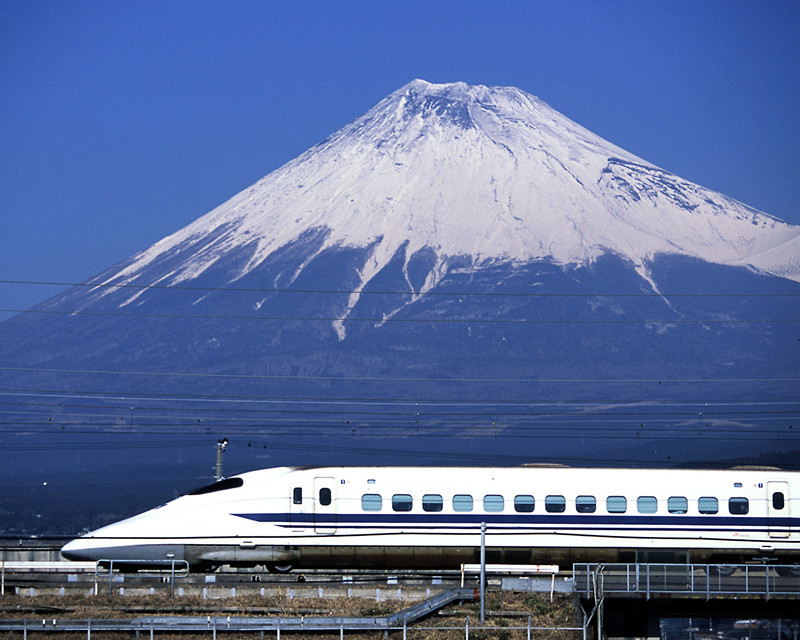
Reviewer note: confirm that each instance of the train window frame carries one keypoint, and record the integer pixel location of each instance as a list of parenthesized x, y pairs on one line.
[(432, 502), (738, 506), (708, 505), (325, 496), (524, 503), (297, 495), (371, 502), (402, 502), (463, 503), (555, 504), (493, 503), (616, 504), (585, 504), (221, 485), (646, 504), (778, 501), (678, 505)]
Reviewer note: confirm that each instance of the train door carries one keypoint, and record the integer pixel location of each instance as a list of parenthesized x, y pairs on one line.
[(778, 509), (325, 505)]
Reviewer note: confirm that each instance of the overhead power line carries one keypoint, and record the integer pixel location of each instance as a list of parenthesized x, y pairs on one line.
[(395, 319), (377, 406), (256, 376), (383, 292), (534, 422), (392, 451)]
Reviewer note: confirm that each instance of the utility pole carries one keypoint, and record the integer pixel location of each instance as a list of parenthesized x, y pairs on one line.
[(221, 446)]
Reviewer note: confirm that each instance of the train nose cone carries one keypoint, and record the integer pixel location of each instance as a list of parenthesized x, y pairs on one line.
[(75, 550)]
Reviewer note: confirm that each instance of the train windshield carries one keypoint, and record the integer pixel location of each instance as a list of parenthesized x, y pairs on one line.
[(222, 485)]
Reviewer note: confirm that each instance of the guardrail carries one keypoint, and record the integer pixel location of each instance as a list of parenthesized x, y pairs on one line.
[(244, 625), (45, 566), (395, 622), (106, 568), (690, 580)]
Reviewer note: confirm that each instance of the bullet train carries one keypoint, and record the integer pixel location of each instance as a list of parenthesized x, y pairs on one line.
[(431, 517)]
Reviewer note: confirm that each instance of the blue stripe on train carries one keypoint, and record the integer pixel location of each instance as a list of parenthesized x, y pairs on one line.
[(380, 520)]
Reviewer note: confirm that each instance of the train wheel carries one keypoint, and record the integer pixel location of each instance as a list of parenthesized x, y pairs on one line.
[(278, 567)]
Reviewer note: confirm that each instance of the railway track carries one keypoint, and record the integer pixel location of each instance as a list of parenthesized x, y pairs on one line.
[(373, 585)]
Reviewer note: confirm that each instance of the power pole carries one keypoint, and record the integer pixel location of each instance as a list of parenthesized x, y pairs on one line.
[(221, 446)]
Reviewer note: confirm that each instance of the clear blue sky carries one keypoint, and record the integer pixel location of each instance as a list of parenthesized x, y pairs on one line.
[(121, 121)]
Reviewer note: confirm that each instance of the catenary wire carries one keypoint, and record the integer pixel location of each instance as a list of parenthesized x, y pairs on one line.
[(186, 374), (533, 294), (394, 319)]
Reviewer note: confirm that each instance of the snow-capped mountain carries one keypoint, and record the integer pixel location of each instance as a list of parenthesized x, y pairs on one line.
[(483, 174), (458, 263), (441, 206)]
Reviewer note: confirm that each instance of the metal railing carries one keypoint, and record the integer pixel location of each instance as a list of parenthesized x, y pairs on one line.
[(312, 626), (397, 622), (691, 580), (170, 569)]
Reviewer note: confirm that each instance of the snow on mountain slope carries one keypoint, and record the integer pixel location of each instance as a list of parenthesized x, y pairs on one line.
[(492, 173)]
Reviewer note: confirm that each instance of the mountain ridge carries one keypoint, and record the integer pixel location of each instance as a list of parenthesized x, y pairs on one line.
[(488, 172)]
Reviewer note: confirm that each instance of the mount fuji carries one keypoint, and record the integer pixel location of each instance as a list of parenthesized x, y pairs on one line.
[(457, 257), (466, 173)]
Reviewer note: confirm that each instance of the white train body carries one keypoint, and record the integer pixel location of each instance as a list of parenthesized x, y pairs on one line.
[(343, 517)]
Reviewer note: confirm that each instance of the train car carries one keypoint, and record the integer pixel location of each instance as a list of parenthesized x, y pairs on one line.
[(431, 517)]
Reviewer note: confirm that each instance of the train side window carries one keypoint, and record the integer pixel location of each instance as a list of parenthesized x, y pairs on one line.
[(432, 502), (677, 504), (371, 502), (325, 496), (222, 485), (738, 506), (462, 502), (524, 504), (778, 501), (585, 504), (493, 503), (708, 505), (647, 504), (297, 495), (555, 504), (401, 502), (616, 504)]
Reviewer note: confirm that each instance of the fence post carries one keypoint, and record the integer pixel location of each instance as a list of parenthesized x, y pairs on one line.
[(585, 624), (766, 571), (483, 572), (747, 579)]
